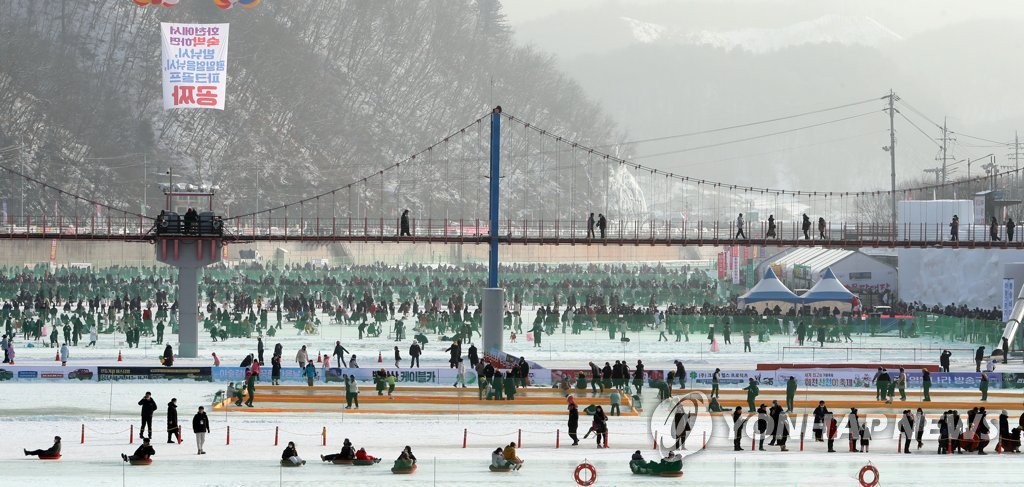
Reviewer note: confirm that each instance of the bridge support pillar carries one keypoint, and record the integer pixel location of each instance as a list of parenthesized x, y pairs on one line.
[(191, 256), (493, 314)]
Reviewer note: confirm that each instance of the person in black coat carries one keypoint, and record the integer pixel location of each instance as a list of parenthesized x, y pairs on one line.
[(600, 426), (574, 420), (819, 420), (1004, 431), (200, 426), (143, 452), (473, 357), (806, 226), (979, 356), (906, 428), (168, 357), (762, 425), (259, 349), (737, 429), (247, 361), (173, 429), (53, 450), (773, 413), (944, 360), (404, 224), (148, 407), (983, 432)]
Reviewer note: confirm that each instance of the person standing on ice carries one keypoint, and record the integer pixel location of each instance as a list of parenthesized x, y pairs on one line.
[(340, 351), (200, 426), (574, 419), (414, 354), (716, 378), (148, 407), (853, 424), (460, 375), (737, 428), (819, 420), (790, 394), (600, 426), (310, 373), (64, 354), (944, 360), (752, 392), (979, 356), (173, 428), (398, 358), (762, 425), (301, 357)]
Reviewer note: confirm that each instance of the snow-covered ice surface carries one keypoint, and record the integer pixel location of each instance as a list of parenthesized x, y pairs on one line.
[(32, 413)]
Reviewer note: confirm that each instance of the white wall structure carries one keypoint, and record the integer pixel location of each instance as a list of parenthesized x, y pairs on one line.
[(963, 276), (929, 220), (852, 268)]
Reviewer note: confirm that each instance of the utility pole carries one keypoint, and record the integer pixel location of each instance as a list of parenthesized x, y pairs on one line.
[(892, 155), (945, 138)]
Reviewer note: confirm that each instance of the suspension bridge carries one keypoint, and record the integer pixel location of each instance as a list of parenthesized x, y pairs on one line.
[(642, 205)]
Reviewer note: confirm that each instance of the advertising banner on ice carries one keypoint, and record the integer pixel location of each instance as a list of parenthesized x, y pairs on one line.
[(333, 375), (47, 373), (740, 378), (195, 65), (828, 378), (201, 374)]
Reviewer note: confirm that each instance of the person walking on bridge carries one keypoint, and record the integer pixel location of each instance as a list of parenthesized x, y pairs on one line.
[(806, 226), (954, 229), (771, 227), (590, 226), (404, 224), (602, 224), (739, 227), (1011, 227)]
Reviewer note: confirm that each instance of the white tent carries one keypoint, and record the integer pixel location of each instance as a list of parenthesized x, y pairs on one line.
[(770, 292), (829, 292)]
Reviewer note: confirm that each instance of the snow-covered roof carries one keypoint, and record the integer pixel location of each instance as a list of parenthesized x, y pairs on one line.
[(816, 258)]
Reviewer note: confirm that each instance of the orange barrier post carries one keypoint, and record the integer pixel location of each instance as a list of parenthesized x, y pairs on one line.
[(119, 359), (465, 432), (705, 441), (275, 434), (519, 440), (558, 436), (83, 433), (324, 434), (950, 446), (801, 441), (655, 442), (606, 439), (131, 435), (228, 440), (899, 444)]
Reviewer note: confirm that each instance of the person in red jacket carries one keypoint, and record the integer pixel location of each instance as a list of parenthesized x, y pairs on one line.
[(361, 455)]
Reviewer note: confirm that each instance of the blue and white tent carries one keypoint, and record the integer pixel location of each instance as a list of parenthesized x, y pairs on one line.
[(829, 292), (769, 292)]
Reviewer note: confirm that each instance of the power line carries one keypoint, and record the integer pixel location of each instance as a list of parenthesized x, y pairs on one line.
[(919, 129), (748, 124), (755, 137)]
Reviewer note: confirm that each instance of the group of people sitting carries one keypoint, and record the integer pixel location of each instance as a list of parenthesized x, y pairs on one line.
[(405, 459), (505, 458), (671, 463)]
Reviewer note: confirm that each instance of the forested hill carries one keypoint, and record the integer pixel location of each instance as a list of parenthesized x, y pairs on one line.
[(320, 94)]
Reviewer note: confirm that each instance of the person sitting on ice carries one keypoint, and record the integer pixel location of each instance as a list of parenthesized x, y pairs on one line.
[(237, 393), (352, 362), (290, 454), (51, 451), (510, 455), (672, 457), (406, 458), (346, 453), (362, 455), (498, 459), (143, 452), (638, 458)]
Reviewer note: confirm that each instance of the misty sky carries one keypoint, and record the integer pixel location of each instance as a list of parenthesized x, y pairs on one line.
[(758, 59)]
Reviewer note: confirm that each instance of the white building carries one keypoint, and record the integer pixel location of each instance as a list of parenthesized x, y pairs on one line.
[(801, 268)]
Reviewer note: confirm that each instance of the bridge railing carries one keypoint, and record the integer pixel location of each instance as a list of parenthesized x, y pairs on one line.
[(625, 230), (113, 226)]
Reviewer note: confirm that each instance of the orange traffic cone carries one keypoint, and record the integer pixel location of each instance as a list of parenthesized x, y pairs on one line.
[(319, 358), (57, 358), (119, 359), (380, 358)]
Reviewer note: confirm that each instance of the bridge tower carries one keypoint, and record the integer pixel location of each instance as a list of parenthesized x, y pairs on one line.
[(494, 296), (189, 253)]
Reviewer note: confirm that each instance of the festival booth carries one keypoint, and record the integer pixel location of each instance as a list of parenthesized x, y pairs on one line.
[(769, 293), (829, 292)]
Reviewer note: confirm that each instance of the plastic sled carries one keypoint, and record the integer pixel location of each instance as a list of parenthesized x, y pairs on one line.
[(140, 461), (289, 463), (49, 456), (664, 470), (342, 461), (364, 463), (403, 469), (499, 469)]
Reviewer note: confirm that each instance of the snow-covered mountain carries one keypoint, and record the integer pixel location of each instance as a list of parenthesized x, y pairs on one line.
[(844, 30)]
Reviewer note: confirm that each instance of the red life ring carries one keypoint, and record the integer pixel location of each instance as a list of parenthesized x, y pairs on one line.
[(585, 467), (863, 473)]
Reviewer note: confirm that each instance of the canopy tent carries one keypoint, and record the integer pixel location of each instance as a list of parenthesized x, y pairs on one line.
[(829, 292), (770, 292)]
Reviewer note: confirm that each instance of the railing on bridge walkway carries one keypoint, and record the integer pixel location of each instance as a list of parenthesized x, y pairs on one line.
[(813, 352), (624, 232)]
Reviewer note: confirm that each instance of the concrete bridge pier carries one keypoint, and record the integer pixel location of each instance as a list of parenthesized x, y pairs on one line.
[(189, 254)]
